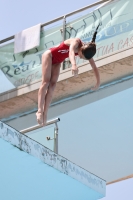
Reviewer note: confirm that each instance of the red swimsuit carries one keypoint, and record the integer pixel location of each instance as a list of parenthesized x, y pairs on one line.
[(61, 52)]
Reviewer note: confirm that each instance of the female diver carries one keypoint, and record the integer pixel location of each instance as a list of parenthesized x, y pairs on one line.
[(51, 63)]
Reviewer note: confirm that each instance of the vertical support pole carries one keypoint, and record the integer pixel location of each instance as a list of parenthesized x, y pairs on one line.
[(64, 35), (64, 28), (56, 138)]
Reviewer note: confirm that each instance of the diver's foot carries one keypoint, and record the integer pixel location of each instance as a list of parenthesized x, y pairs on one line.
[(39, 117)]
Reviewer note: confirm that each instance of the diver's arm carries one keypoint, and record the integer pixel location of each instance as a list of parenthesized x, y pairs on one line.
[(96, 72)]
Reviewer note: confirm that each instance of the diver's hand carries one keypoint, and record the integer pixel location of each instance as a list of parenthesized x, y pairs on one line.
[(96, 87), (74, 70)]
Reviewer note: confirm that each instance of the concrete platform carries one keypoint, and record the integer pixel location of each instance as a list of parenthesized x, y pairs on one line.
[(49, 175), (113, 68)]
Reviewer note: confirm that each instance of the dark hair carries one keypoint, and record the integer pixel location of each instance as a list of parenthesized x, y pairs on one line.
[(90, 49)]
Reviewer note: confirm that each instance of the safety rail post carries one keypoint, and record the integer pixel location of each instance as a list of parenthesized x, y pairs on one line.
[(56, 138), (64, 36)]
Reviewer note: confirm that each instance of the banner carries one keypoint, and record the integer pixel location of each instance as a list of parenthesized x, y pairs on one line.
[(115, 33), (23, 68)]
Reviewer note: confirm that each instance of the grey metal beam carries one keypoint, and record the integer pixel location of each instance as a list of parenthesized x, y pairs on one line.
[(38, 126)]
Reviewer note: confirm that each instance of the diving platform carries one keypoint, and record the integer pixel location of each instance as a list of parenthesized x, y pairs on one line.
[(116, 72), (29, 169)]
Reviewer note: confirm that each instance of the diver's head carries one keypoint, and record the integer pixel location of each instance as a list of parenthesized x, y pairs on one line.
[(88, 50)]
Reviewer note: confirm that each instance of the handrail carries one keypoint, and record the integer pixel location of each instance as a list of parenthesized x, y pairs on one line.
[(38, 126), (59, 18)]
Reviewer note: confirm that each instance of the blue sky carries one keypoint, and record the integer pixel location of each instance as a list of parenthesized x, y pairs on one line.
[(18, 15)]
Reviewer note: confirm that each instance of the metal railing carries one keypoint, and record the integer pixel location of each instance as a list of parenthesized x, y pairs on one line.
[(64, 18), (54, 121)]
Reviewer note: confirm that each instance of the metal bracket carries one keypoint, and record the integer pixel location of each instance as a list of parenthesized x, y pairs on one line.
[(61, 29), (48, 138)]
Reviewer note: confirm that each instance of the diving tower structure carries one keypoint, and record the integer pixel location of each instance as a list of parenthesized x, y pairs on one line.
[(114, 59)]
